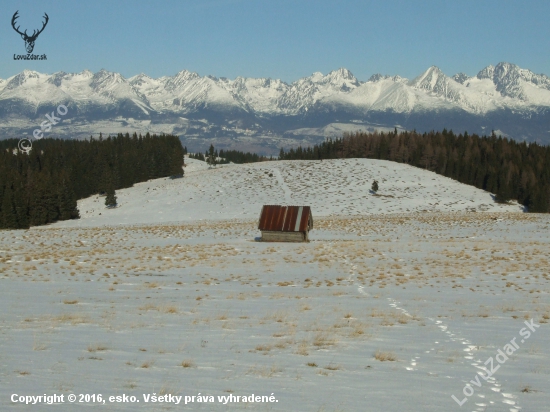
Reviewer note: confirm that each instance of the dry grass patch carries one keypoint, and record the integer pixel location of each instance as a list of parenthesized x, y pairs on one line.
[(282, 344), (188, 363), (358, 330), (169, 309), (264, 371), (167, 389), (72, 318), (279, 316), (377, 314), (302, 349), (97, 348), (263, 348), (323, 339), (385, 356), (148, 306), (147, 364), (403, 319)]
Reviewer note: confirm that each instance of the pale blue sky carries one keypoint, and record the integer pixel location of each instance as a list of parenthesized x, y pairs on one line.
[(286, 39)]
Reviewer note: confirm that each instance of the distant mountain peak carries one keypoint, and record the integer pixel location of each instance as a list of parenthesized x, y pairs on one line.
[(507, 73), (431, 79), (377, 77), (179, 79), (57, 78), (341, 79), (140, 80), (29, 73), (21, 78), (342, 73), (316, 76), (460, 78), (486, 73), (142, 76)]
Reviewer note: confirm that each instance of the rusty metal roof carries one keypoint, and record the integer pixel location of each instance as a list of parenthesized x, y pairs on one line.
[(285, 218)]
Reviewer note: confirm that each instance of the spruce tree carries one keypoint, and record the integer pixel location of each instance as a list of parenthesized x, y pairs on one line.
[(67, 203), (211, 156), (42, 203), (21, 207), (110, 199), (9, 215), (374, 186)]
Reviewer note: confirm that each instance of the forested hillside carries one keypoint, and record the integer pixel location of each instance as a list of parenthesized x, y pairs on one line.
[(43, 185), (511, 170)]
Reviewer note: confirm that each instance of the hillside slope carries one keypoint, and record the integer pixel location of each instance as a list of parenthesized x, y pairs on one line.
[(330, 187)]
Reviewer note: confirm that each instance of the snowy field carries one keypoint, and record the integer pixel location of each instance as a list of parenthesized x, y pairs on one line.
[(397, 303)]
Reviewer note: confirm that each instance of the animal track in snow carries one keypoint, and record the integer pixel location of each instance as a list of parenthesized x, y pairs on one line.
[(486, 391)]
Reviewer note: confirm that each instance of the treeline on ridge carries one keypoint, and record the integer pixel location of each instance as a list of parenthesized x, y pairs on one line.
[(236, 156), (227, 156), (511, 170), (44, 185)]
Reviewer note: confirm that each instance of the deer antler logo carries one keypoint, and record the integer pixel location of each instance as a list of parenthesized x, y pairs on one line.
[(29, 40)]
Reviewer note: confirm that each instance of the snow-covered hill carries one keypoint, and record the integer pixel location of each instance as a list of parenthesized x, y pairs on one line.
[(331, 187), (504, 98)]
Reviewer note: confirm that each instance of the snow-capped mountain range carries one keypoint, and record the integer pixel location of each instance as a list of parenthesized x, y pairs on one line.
[(267, 113)]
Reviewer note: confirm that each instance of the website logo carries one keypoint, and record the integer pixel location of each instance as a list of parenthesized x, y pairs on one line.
[(29, 40)]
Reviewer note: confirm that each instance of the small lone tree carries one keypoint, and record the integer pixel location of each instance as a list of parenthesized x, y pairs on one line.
[(374, 186), (110, 199), (211, 156)]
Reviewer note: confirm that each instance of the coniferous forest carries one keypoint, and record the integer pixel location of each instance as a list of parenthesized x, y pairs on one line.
[(44, 185), (235, 156), (509, 169)]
